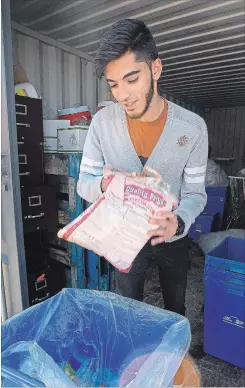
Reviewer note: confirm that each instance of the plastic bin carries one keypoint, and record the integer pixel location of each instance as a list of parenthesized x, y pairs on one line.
[(224, 313), (202, 225), (224, 276), (216, 203), (229, 255), (89, 338), (216, 191)]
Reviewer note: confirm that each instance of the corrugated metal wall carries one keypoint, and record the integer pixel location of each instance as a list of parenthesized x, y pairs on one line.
[(61, 78), (64, 79), (226, 130), (227, 134), (194, 108)]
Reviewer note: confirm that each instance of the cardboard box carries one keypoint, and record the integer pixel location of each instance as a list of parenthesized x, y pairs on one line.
[(50, 144), (72, 139), (50, 127)]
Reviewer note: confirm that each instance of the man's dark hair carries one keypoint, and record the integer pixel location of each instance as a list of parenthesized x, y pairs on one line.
[(125, 35)]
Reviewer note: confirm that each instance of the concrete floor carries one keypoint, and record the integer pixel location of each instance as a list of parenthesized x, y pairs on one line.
[(214, 372)]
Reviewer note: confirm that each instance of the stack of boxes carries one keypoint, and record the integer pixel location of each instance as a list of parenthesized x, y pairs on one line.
[(224, 314), (50, 133), (60, 136), (64, 139)]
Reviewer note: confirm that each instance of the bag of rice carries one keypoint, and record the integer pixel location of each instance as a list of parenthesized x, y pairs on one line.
[(116, 225)]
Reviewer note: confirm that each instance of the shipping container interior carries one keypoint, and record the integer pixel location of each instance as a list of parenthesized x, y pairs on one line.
[(201, 45)]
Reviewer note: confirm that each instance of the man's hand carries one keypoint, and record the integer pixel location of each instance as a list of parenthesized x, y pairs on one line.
[(105, 183), (168, 225)]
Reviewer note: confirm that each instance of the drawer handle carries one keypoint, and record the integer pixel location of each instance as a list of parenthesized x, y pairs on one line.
[(24, 173), (40, 299), (24, 159), (35, 200), (37, 216), (23, 124), (40, 284), (21, 106)]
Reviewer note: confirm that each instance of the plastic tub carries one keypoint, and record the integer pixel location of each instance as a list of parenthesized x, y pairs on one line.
[(216, 191), (224, 276), (229, 255), (224, 312), (75, 114)]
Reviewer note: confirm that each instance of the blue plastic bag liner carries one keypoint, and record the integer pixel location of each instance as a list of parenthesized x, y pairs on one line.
[(39, 365), (91, 339), (13, 378)]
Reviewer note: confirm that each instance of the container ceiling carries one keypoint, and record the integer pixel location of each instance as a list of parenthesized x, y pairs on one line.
[(201, 42)]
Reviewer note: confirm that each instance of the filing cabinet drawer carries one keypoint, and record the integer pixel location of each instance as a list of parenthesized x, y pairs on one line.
[(46, 283), (36, 251), (31, 169), (29, 135), (39, 208), (29, 111)]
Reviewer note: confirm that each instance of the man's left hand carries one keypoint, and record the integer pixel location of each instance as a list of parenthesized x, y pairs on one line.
[(168, 225)]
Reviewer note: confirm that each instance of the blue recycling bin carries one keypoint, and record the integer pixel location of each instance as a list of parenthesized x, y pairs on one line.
[(202, 225), (216, 197), (90, 338), (224, 279)]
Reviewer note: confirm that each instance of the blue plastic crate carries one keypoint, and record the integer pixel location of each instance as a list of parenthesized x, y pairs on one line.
[(98, 272), (76, 207), (229, 255), (224, 335), (202, 225)]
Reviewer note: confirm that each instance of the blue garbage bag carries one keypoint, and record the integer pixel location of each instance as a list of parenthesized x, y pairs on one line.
[(92, 339)]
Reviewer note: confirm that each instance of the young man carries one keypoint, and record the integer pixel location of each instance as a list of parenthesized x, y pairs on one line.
[(143, 129)]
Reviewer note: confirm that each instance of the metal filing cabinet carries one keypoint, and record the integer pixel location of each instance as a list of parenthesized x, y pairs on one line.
[(38, 201), (29, 124)]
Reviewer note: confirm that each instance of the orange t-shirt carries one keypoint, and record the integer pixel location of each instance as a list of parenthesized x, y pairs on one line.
[(145, 135)]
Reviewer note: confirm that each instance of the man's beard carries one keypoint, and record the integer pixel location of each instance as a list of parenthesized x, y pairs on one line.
[(149, 96)]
